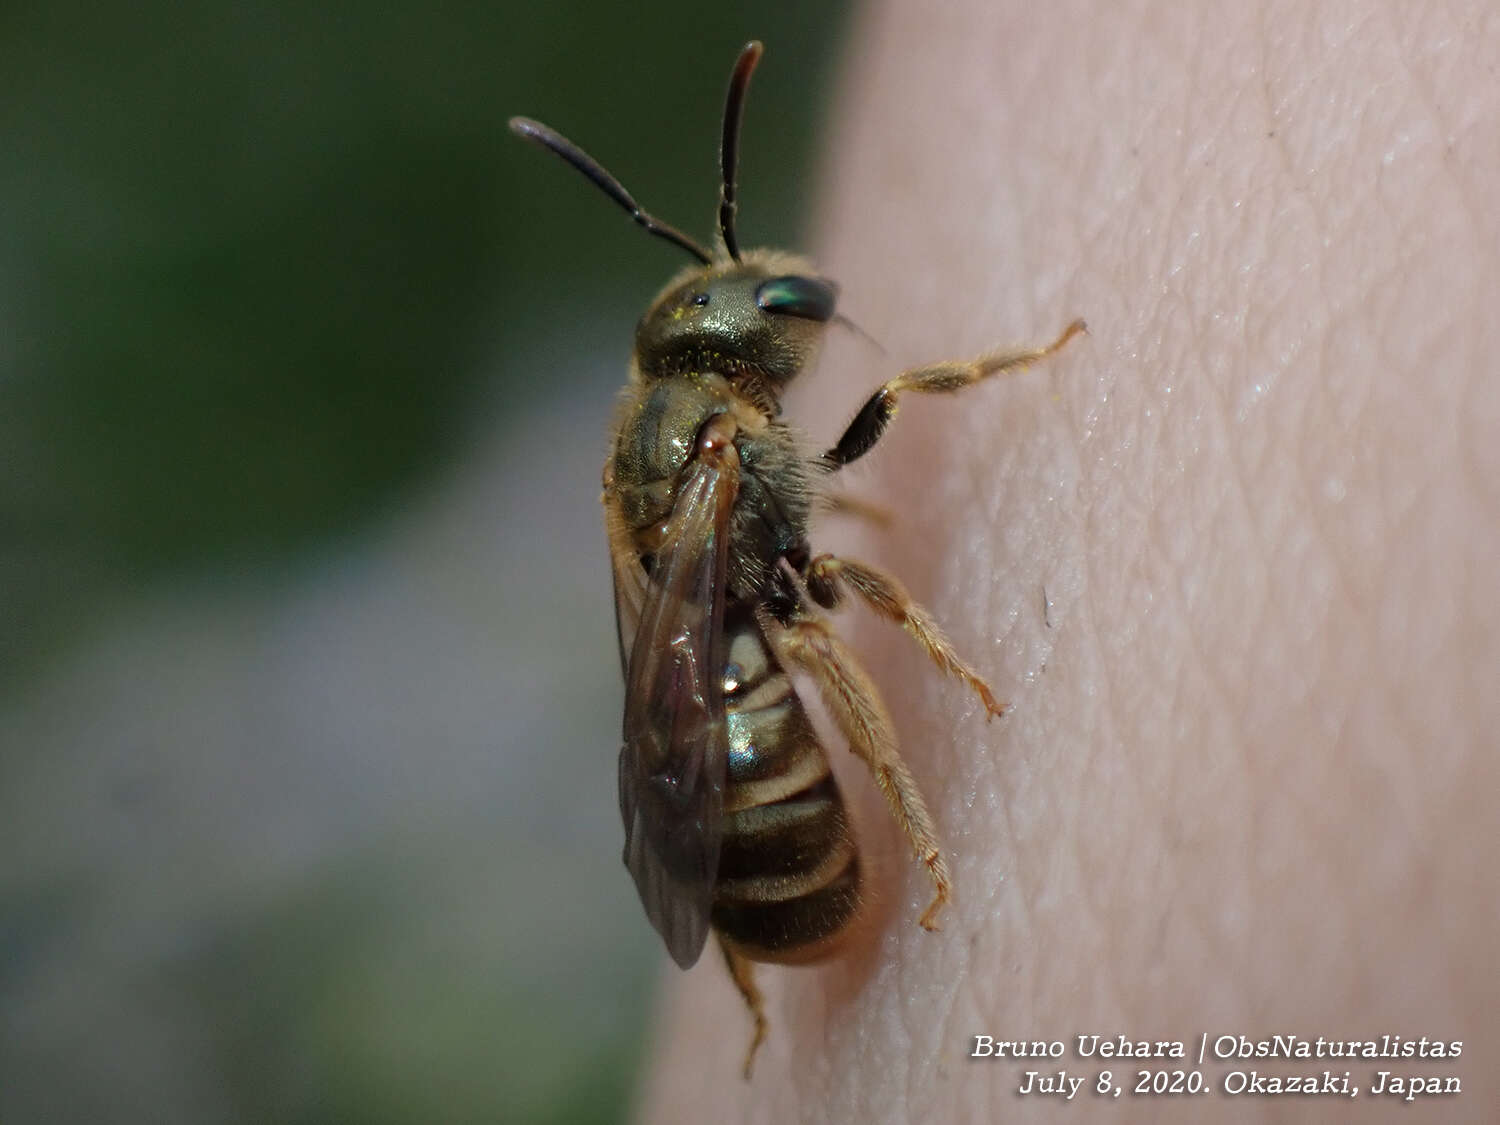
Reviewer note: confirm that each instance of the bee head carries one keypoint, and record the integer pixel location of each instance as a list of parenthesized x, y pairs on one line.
[(759, 314), (763, 315)]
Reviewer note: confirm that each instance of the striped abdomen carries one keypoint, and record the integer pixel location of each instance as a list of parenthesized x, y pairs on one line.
[(788, 880)]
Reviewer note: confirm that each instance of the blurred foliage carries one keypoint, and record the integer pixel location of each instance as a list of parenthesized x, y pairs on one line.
[(355, 1014), (269, 273), (262, 265)]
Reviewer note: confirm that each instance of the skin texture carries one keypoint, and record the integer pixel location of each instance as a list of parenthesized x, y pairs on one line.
[(1248, 783)]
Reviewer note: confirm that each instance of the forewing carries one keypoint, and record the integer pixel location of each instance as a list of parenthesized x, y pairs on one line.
[(630, 587), (673, 762)]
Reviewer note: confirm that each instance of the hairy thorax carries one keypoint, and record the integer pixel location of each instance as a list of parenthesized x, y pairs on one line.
[(659, 424)]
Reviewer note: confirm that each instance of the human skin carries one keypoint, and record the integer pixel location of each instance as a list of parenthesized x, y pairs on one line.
[(1232, 557)]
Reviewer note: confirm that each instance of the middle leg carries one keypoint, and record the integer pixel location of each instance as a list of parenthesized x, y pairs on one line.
[(827, 577)]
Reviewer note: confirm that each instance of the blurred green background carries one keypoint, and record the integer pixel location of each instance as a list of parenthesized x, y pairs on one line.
[(308, 692)]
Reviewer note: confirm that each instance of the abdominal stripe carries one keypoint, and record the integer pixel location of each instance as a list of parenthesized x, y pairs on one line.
[(788, 874)]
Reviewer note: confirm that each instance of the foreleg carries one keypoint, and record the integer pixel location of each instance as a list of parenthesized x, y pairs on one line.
[(938, 378)]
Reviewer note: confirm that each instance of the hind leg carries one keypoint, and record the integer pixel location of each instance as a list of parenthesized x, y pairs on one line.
[(809, 644), (742, 972)]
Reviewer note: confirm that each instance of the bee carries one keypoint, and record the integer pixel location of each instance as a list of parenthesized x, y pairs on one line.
[(733, 821)]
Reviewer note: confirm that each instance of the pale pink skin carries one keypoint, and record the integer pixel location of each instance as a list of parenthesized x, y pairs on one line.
[(1249, 783)]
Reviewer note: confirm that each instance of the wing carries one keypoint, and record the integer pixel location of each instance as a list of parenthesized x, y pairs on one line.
[(675, 756), (629, 580)]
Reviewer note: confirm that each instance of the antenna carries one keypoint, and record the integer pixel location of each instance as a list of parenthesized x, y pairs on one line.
[(729, 147), (560, 146)]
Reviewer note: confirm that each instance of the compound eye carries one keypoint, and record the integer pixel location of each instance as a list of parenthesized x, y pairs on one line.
[(811, 298)]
